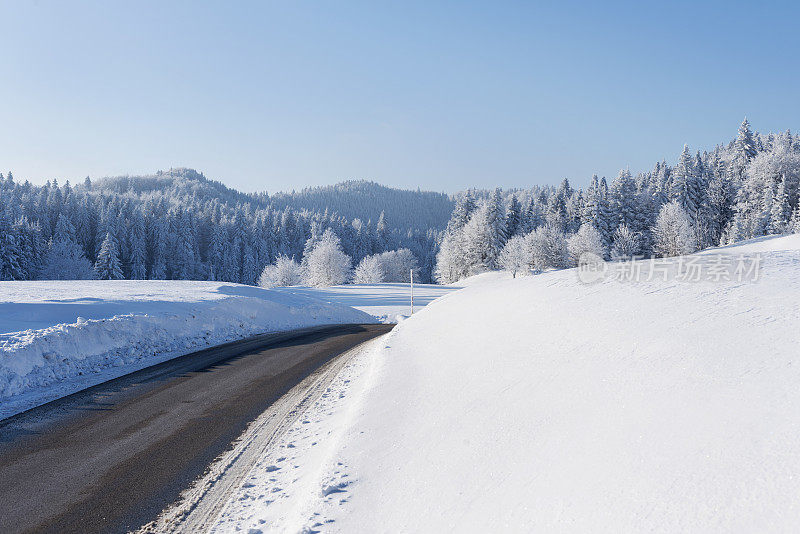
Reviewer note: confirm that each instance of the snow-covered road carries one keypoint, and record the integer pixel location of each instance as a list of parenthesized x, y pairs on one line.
[(108, 459)]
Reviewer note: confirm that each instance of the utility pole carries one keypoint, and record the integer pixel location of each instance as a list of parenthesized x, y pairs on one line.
[(412, 291)]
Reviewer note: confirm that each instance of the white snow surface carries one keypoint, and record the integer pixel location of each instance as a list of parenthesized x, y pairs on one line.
[(388, 302), (57, 337), (544, 404)]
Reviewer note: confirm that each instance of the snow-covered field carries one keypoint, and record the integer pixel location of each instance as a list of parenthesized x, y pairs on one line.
[(546, 404), (387, 302), (57, 337)]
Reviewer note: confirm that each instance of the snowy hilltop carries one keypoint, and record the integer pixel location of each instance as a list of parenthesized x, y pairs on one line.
[(657, 393)]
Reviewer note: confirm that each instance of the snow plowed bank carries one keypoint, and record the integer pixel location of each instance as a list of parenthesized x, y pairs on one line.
[(82, 333)]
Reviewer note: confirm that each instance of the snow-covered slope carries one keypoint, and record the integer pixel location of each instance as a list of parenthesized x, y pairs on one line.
[(546, 404), (57, 337)]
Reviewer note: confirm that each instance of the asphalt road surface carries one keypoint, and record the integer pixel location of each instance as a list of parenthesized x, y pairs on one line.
[(110, 458)]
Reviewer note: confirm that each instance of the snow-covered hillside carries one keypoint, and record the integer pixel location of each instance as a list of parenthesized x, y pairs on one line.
[(57, 337), (545, 404)]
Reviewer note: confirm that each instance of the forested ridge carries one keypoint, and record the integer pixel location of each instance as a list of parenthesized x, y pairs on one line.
[(742, 189), (178, 224)]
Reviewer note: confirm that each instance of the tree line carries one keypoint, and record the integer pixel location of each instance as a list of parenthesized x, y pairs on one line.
[(744, 189), (175, 225)]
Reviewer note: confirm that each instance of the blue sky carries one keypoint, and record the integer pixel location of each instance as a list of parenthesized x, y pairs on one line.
[(437, 95)]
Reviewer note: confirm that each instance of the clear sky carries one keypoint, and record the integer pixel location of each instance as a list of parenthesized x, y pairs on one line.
[(438, 95)]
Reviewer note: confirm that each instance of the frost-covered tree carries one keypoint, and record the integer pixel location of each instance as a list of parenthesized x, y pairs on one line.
[(108, 266), (547, 248), (64, 259), (381, 233), (794, 224), (138, 251), (369, 271), (481, 241), (623, 199), (596, 209), (283, 273), (686, 185), (462, 212), (398, 264), (780, 211), (513, 218), (720, 196), (673, 231), (626, 244), (327, 264), (9, 248), (586, 240), (216, 251), (514, 256), (196, 228), (451, 264), (744, 150)]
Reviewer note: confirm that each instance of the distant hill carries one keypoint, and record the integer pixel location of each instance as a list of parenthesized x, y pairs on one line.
[(419, 210), (404, 209)]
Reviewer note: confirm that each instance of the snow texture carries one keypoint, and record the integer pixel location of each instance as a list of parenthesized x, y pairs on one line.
[(545, 404), (390, 302), (57, 337)]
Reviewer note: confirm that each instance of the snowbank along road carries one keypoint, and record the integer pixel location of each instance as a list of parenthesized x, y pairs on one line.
[(110, 458)]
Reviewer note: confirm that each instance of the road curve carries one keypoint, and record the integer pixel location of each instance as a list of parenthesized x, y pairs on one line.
[(110, 458)]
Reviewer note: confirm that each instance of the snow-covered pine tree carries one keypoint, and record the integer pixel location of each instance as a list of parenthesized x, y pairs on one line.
[(495, 218), (31, 248), (480, 241), (108, 266), (160, 254), (575, 206), (686, 187), (138, 250), (745, 144), (216, 251), (381, 233), (596, 209), (513, 218), (556, 214), (64, 259), (533, 217), (780, 211), (462, 212), (795, 222), (623, 199), (720, 197), (183, 253), (9, 247)]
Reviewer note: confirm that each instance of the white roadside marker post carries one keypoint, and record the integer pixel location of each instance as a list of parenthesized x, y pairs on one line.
[(412, 291)]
